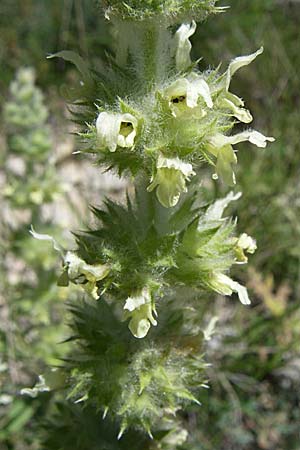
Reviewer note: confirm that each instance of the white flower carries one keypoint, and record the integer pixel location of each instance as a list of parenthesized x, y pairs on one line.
[(175, 438), (226, 286), (256, 138), (225, 158), (51, 380), (115, 129), (140, 309), (247, 243), (40, 386), (170, 180), (183, 45), (184, 94), (233, 102), (242, 114), (244, 244), (239, 62), (221, 147), (79, 272)]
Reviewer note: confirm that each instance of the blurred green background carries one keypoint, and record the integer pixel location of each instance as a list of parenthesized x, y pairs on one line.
[(254, 398)]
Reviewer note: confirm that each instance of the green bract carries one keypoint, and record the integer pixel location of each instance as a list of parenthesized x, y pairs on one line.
[(139, 384)]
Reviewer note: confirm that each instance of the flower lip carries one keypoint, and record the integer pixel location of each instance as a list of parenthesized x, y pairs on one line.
[(254, 137), (240, 62), (127, 134), (226, 286)]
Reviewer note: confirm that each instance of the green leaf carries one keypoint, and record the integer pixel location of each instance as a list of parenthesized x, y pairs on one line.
[(74, 58)]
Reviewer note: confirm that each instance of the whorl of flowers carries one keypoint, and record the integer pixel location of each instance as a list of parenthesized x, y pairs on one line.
[(183, 119), (130, 261)]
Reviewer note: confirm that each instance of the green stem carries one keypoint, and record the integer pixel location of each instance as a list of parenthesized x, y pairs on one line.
[(154, 44), (148, 47)]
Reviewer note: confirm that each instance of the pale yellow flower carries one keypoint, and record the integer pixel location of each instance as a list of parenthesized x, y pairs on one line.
[(116, 130), (170, 180), (139, 308)]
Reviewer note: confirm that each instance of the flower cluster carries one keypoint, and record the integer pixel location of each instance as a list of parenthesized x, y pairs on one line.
[(181, 122), (131, 265), (29, 144), (138, 383)]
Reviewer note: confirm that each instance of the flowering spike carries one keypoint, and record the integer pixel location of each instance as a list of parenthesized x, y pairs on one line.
[(153, 116)]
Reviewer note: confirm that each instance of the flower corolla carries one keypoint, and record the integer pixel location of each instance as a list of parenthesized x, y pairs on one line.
[(170, 180), (183, 45), (226, 286), (184, 93), (79, 272), (245, 244), (221, 147), (116, 130), (232, 102), (140, 309)]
